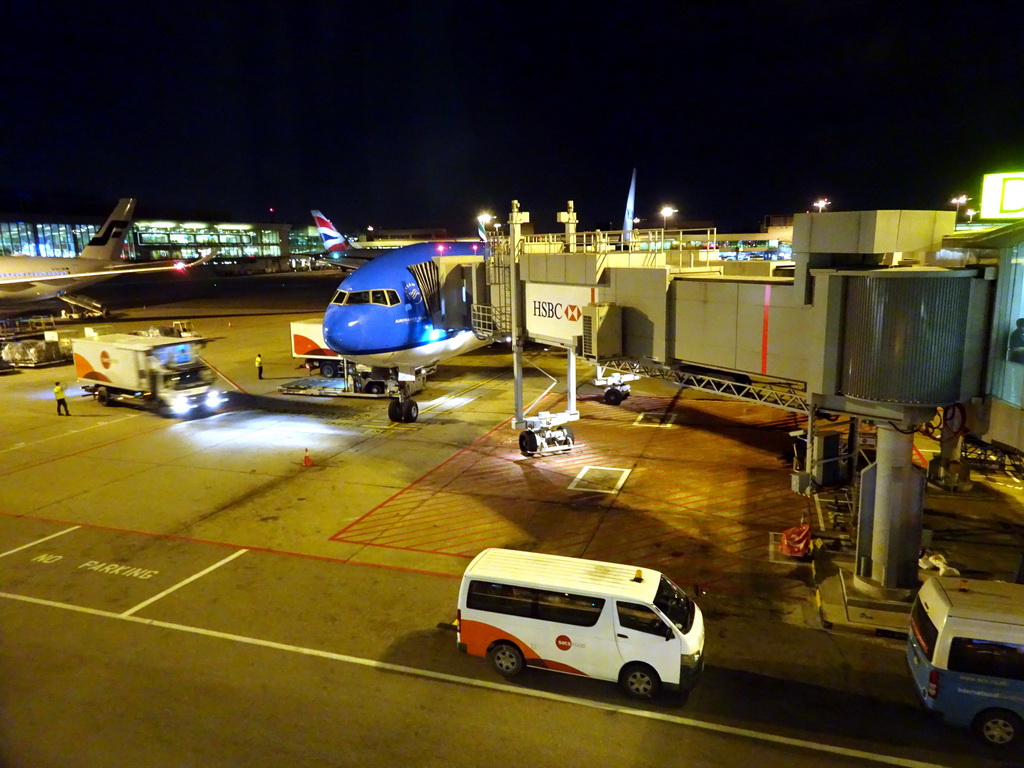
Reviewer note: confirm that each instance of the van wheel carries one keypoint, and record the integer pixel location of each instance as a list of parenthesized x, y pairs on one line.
[(998, 727), (506, 659), (640, 681), (374, 388), (328, 370), (102, 396)]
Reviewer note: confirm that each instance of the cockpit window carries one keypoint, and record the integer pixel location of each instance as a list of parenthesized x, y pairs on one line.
[(383, 297)]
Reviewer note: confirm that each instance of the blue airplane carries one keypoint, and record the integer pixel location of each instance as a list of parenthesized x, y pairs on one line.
[(381, 315)]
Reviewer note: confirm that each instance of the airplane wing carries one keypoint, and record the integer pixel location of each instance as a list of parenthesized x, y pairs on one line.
[(70, 277)]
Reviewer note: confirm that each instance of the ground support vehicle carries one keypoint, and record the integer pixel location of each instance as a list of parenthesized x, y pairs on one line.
[(582, 617), (163, 374), (965, 650)]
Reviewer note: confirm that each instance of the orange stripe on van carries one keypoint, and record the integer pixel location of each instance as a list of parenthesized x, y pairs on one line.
[(479, 636)]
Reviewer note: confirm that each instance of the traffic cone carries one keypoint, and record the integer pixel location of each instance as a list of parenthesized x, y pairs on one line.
[(306, 461)]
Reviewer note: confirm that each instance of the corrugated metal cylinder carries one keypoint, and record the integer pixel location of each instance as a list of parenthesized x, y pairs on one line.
[(903, 338)]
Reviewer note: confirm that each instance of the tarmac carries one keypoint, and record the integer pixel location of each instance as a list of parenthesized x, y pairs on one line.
[(979, 531)]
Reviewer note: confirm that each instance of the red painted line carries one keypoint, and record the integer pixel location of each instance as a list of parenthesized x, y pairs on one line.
[(224, 376), (421, 478), (267, 550)]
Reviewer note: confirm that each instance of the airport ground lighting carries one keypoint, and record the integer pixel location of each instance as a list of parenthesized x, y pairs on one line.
[(667, 211)]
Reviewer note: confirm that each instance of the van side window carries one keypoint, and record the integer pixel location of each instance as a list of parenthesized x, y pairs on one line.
[(542, 604), (500, 598), (986, 657), (641, 618), (564, 608)]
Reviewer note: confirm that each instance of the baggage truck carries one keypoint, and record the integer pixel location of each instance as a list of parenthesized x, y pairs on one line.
[(163, 374), (308, 345)]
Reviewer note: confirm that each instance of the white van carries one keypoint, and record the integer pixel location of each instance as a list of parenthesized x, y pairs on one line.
[(965, 650), (582, 617)]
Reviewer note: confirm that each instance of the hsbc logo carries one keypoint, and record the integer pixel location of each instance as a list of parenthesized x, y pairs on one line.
[(557, 311)]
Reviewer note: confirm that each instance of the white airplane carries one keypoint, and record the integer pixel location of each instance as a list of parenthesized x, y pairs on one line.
[(26, 279)]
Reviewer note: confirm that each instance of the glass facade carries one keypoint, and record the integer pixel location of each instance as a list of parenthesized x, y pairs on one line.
[(1007, 370), (20, 238), (149, 240)]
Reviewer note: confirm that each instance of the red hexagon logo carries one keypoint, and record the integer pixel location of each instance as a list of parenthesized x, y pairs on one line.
[(572, 312)]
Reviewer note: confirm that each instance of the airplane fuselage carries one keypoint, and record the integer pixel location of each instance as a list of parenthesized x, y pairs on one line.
[(380, 318), (48, 270)]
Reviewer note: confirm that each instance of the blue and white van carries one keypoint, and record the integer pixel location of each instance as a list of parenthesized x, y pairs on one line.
[(965, 650)]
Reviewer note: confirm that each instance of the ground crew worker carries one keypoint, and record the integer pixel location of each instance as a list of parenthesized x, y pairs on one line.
[(259, 365), (58, 392)]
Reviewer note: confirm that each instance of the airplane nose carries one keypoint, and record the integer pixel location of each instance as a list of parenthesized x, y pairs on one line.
[(342, 331)]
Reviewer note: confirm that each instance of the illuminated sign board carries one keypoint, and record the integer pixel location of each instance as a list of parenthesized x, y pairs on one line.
[(556, 311), (1002, 196)]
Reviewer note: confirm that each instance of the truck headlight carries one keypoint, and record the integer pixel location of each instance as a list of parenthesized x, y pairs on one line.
[(691, 659), (213, 399), (181, 404)]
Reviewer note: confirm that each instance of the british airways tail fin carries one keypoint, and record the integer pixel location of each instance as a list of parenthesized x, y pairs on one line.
[(334, 241), (108, 242), (627, 222)]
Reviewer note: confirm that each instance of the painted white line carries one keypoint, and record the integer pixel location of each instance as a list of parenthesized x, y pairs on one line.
[(181, 584), (812, 746), (821, 519), (40, 541), (64, 435), (581, 480)]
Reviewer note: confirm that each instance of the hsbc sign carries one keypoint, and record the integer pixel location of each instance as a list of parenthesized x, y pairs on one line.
[(556, 311), (569, 312)]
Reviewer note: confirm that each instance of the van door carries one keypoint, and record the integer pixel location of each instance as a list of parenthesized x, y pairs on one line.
[(640, 635)]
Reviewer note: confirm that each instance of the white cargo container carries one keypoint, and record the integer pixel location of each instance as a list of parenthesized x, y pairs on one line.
[(161, 373), (308, 345)]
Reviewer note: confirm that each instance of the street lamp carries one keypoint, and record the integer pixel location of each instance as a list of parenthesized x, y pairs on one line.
[(820, 204), (971, 213), (958, 201), (667, 211)]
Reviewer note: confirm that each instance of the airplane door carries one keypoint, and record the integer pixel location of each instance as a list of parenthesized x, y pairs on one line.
[(640, 636)]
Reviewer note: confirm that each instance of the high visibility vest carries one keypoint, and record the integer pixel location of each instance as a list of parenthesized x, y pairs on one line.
[(58, 392), (259, 360)]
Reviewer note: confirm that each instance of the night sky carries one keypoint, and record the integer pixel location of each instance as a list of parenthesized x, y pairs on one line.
[(422, 115)]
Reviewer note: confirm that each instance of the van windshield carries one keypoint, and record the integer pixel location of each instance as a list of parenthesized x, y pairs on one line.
[(923, 628), (674, 603)]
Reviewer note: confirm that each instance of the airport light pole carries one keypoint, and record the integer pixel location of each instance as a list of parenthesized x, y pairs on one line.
[(958, 201), (822, 203), (667, 211)]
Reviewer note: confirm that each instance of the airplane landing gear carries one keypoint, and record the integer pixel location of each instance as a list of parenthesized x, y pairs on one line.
[(403, 409)]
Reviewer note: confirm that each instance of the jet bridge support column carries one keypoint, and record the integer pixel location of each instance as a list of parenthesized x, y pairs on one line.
[(891, 504)]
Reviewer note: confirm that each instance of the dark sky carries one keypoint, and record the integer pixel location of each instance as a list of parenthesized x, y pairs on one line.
[(399, 114)]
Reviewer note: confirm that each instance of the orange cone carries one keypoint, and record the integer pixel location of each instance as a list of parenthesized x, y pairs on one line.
[(306, 461)]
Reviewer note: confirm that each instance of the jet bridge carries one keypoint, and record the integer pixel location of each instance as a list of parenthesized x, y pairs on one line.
[(860, 323)]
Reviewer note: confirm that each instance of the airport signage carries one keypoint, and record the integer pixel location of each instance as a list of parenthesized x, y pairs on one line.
[(556, 311), (1002, 196)]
